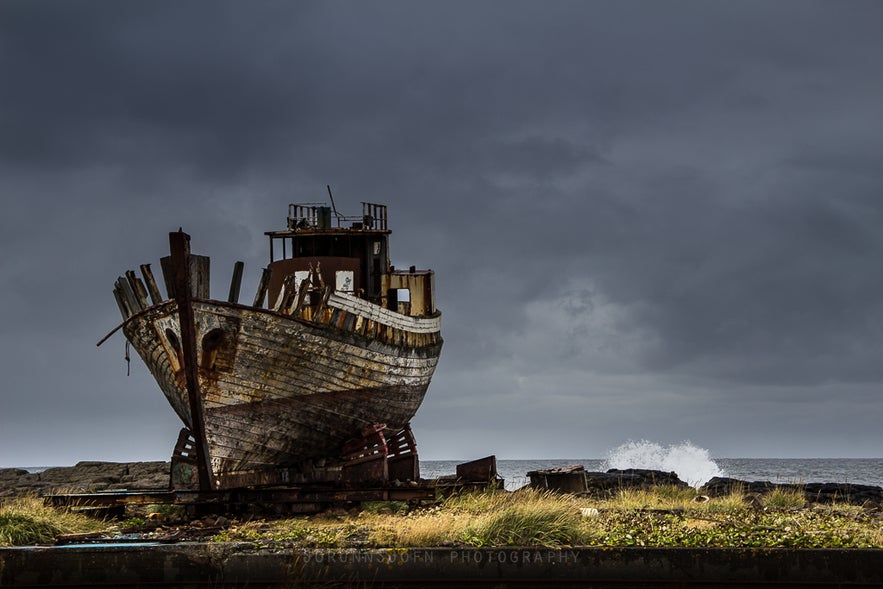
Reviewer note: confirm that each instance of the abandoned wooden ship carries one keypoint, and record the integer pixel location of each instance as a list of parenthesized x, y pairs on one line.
[(316, 380)]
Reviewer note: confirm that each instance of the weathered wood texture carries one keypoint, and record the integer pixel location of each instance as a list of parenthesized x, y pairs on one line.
[(150, 281), (199, 276), (262, 289), (235, 282), (279, 389), (182, 267)]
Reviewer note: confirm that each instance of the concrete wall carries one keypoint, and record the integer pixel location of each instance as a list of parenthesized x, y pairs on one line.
[(227, 564)]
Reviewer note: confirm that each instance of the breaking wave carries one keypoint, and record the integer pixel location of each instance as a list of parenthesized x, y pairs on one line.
[(692, 464)]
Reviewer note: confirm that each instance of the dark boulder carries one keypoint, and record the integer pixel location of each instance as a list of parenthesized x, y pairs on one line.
[(865, 495), (639, 477), (722, 486), (575, 479)]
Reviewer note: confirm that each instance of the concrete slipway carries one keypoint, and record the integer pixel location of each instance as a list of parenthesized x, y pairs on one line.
[(241, 565)]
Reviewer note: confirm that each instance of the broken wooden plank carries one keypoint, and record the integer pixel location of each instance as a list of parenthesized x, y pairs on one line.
[(151, 284), (262, 289), (138, 289), (121, 302), (235, 282), (129, 295)]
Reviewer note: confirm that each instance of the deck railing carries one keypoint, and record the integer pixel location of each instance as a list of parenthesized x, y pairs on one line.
[(312, 215)]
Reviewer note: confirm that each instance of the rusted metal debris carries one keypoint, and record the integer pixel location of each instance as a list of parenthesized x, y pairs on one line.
[(477, 471), (279, 500), (566, 479)]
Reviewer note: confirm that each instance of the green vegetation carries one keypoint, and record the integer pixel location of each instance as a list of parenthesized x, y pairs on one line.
[(530, 519), (784, 499), (662, 517), (133, 522), (319, 532), (26, 521), (165, 511), (744, 528), (388, 507)]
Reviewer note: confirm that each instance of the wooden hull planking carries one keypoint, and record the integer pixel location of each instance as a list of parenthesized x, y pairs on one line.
[(279, 389)]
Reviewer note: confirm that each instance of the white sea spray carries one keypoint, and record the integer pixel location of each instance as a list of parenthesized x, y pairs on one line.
[(692, 464)]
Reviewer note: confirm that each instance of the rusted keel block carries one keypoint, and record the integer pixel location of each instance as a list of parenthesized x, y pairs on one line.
[(483, 470)]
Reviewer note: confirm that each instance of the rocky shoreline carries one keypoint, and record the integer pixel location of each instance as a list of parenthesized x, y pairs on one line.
[(95, 476), (573, 479), (86, 477), (865, 495)]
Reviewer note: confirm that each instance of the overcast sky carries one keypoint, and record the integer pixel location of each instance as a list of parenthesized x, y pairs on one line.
[(648, 220)]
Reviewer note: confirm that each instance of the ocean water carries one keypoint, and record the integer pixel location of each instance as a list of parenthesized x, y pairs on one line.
[(692, 465), (861, 471)]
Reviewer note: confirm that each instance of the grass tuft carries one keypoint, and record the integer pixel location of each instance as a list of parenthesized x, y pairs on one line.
[(477, 502), (27, 521), (780, 498), (734, 502), (428, 528), (529, 518), (662, 497)]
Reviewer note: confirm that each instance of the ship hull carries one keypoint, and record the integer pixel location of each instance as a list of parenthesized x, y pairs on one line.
[(280, 389)]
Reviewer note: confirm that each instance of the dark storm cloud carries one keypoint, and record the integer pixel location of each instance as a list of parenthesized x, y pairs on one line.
[(122, 83), (638, 211)]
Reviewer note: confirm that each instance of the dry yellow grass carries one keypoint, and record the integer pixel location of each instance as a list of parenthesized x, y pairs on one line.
[(430, 528), (25, 520), (784, 499), (664, 517), (663, 497)]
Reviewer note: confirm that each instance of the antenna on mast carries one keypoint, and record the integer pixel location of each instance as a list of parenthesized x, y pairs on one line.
[(333, 207)]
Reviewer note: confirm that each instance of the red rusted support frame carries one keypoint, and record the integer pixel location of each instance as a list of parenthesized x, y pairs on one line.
[(365, 458), (402, 461), (179, 243)]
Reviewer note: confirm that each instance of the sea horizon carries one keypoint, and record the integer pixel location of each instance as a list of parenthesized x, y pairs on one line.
[(691, 469)]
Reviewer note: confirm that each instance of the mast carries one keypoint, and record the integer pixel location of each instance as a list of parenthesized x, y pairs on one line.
[(179, 243)]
